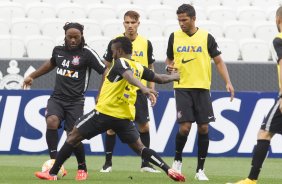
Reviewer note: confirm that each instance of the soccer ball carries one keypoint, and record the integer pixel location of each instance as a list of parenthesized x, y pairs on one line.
[(49, 164)]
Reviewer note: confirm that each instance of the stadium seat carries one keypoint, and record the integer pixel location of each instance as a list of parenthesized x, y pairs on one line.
[(160, 13), (70, 11), (265, 3), (101, 12), (148, 3), (200, 13), (271, 13), (265, 30), (11, 46), (238, 30), (169, 27), (40, 11), (150, 28), (121, 9), (26, 2), (86, 2), (4, 27), (114, 2), (39, 46), (112, 28), (24, 27), (235, 3), (99, 44), (52, 27), (220, 14), (213, 27), (229, 48), (60, 40), (206, 3), (254, 50), (11, 10), (175, 4), (56, 1), (91, 27), (159, 48), (251, 14)]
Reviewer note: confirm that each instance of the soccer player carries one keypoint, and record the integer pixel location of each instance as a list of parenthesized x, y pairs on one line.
[(115, 109), (142, 53), (73, 62), (272, 123), (189, 51)]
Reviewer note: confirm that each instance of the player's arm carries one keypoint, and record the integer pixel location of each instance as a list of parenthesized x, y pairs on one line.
[(151, 61), (43, 69), (170, 56), (149, 75), (215, 53)]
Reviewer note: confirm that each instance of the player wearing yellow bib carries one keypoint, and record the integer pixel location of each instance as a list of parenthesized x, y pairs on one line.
[(142, 53), (189, 51), (115, 110)]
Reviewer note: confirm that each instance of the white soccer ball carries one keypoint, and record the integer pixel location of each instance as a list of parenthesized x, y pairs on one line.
[(49, 164)]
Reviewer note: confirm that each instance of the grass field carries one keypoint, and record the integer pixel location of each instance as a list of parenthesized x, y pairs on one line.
[(20, 169)]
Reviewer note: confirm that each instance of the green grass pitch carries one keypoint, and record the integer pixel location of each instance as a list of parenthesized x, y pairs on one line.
[(20, 169)]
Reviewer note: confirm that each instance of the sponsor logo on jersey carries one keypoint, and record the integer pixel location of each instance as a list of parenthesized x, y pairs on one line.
[(189, 48), (67, 73), (188, 60), (138, 53)]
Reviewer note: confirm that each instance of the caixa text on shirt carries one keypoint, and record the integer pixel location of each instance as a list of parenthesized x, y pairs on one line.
[(67, 73)]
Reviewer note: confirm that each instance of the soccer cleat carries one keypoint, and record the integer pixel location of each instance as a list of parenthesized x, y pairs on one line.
[(106, 168), (81, 175), (45, 175), (201, 176), (149, 168), (177, 165), (176, 176), (245, 181), (65, 173)]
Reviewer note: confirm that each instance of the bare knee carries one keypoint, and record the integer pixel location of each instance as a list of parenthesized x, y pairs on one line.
[(184, 128), (74, 137), (110, 132), (265, 135), (52, 122), (203, 128), (144, 127)]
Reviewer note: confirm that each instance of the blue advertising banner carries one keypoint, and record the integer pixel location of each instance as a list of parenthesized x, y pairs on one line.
[(22, 128)]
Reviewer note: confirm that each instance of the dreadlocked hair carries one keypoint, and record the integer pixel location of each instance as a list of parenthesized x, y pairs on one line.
[(78, 26), (124, 43)]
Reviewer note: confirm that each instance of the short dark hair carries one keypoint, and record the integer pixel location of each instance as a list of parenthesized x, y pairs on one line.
[(78, 26), (188, 9), (124, 43), (279, 12), (132, 14)]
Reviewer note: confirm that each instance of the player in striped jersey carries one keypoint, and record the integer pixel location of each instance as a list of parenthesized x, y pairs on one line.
[(73, 62)]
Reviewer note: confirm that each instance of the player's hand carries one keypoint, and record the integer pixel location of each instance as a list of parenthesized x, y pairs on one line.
[(170, 68), (280, 104), (27, 82), (175, 74), (151, 95), (230, 89)]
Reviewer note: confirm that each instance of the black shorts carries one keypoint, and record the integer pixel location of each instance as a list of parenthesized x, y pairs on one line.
[(68, 111), (141, 106), (95, 123), (194, 106), (273, 120)]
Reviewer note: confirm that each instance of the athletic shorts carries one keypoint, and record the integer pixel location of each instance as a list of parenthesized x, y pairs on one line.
[(273, 120), (95, 123), (68, 111), (194, 106), (141, 106)]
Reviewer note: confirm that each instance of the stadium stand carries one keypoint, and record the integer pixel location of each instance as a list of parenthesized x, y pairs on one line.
[(254, 50), (99, 44), (11, 46), (112, 27), (121, 9), (40, 10), (160, 12), (229, 48), (169, 26), (52, 27), (150, 28), (100, 12), (238, 30), (213, 27), (159, 48), (24, 27), (4, 27), (250, 14), (11, 10), (221, 14), (265, 30), (70, 11), (39, 46)]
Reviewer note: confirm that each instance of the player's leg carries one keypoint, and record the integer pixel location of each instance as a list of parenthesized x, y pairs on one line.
[(110, 141), (72, 112), (185, 117), (128, 134), (54, 114), (204, 115)]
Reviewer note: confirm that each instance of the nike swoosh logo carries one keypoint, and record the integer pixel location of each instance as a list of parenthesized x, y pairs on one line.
[(60, 55), (186, 61)]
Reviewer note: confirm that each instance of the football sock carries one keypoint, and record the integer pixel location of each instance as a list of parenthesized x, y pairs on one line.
[(145, 138), (154, 158), (180, 142), (203, 145), (52, 142), (260, 152), (110, 142), (80, 156), (62, 156)]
